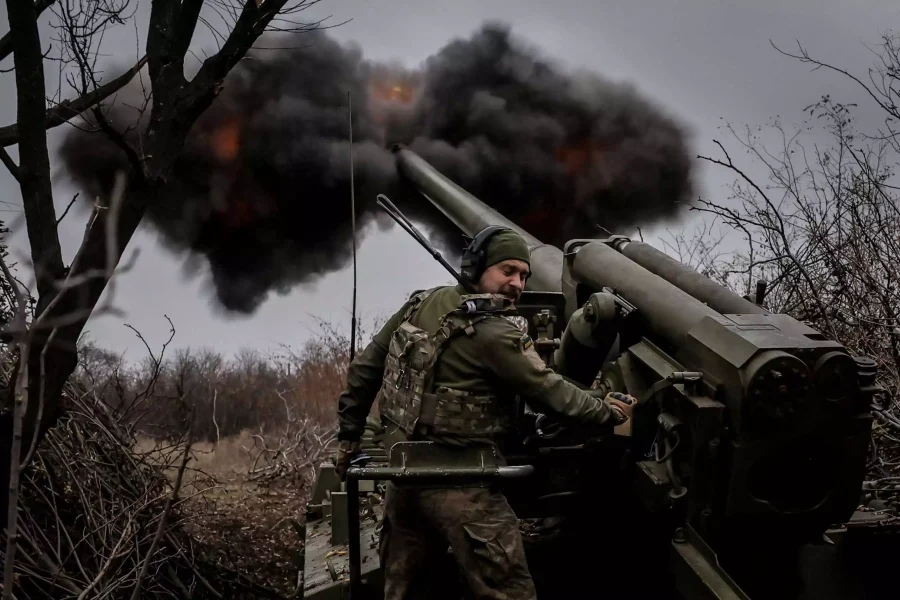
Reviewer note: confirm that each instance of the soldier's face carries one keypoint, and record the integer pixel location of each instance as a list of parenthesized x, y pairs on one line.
[(506, 277)]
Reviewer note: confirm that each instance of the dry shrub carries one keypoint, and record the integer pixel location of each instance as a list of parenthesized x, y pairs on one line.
[(252, 392), (290, 457), (93, 513), (134, 472)]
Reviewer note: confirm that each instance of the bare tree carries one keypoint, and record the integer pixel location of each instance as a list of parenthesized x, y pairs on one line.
[(173, 103), (23, 447), (824, 231)]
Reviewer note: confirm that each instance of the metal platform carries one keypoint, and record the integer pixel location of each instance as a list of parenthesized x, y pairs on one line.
[(326, 550), (326, 573)]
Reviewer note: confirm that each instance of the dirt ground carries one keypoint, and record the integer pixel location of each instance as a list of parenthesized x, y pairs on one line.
[(252, 529)]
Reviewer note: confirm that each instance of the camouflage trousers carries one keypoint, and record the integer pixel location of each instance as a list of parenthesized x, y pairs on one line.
[(477, 524)]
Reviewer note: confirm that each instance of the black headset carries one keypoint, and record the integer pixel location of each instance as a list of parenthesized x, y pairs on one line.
[(472, 265)]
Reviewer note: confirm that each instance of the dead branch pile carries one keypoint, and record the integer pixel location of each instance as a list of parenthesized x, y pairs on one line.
[(99, 519), (96, 519), (100, 514), (254, 526), (290, 456)]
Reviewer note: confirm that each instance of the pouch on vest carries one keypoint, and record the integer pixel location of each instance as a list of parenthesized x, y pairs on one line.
[(406, 399)]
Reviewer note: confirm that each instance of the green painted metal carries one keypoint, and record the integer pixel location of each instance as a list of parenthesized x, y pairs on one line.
[(747, 449)]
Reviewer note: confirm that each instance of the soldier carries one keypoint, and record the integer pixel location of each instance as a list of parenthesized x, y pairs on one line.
[(445, 368)]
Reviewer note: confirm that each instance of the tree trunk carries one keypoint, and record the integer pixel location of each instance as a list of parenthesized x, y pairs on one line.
[(177, 104), (37, 199), (72, 311)]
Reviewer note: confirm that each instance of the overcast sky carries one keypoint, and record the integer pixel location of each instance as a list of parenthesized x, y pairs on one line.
[(704, 61)]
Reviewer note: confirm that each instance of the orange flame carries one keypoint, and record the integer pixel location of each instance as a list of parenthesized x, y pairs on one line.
[(238, 209), (226, 141), (391, 92)]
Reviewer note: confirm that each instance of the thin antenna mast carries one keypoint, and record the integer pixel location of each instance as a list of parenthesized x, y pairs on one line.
[(394, 212), (353, 232)]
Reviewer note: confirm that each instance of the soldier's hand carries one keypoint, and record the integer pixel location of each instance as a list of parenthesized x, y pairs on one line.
[(622, 404), (345, 453)]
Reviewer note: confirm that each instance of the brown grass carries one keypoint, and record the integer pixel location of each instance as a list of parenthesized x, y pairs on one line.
[(247, 526), (229, 460), (263, 423), (258, 426)]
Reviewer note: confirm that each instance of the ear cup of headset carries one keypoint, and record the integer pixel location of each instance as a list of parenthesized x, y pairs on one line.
[(474, 257)]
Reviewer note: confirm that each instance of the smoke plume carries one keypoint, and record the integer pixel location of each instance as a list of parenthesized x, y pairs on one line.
[(262, 188)]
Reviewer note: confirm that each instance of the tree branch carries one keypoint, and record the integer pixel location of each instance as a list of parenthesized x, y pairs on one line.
[(119, 140), (250, 25), (184, 27), (34, 159), (806, 58), (10, 164), (145, 567), (162, 26), (68, 109), (6, 43), (176, 106), (65, 212), (20, 406), (780, 230)]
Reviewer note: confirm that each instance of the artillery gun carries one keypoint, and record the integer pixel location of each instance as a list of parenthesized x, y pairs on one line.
[(738, 477)]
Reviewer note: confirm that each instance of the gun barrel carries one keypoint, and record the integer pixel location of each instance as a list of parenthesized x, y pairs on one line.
[(472, 215), (702, 288), (669, 310)]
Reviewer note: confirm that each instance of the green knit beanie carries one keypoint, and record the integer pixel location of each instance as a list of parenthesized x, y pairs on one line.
[(506, 245)]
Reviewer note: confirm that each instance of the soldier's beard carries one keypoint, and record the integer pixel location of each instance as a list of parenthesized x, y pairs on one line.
[(511, 293), (488, 287)]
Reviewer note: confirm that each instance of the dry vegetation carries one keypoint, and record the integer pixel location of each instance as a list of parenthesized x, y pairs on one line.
[(251, 392), (185, 475), (192, 469)]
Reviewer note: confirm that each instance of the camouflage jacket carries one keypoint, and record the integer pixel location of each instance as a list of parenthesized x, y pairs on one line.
[(499, 358)]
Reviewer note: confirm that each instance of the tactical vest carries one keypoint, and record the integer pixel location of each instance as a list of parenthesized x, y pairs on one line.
[(406, 398)]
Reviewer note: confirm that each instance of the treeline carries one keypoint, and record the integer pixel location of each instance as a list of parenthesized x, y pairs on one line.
[(163, 394)]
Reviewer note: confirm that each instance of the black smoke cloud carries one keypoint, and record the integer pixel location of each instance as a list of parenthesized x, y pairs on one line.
[(262, 188)]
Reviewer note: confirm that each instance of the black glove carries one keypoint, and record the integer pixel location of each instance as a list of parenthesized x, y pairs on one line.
[(345, 453)]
